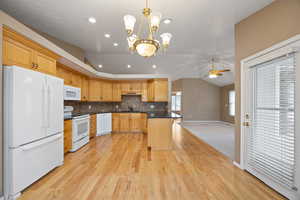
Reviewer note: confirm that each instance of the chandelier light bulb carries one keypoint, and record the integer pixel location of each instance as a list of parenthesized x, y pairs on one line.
[(129, 22), (155, 21), (131, 40), (166, 38)]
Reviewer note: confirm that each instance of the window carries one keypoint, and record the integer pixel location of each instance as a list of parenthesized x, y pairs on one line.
[(231, 102), (176, 101)]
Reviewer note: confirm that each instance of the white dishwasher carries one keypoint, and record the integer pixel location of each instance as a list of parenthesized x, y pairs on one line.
[(104, 123)]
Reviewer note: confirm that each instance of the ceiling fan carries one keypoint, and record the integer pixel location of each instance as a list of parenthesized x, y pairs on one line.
[(214, 73)]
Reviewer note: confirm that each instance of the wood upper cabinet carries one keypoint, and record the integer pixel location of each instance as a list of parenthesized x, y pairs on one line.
[(76, 79), (64, 73), (116, 92), (93, 126), (161, 92), (67, 135), (15, 53), (144, 91), (115, 122), (44, 63), (20, 51), (94, 90), (130, 87), (158, 90), (106, 93), (84, 88), (124, 122)]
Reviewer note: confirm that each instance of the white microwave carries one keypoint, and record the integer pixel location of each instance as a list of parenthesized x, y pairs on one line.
[(71, 93)]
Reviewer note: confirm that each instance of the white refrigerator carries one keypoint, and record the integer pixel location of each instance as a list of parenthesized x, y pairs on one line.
[(33, 127)]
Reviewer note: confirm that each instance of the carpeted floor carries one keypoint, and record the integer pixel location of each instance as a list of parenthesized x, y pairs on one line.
[(217, 134)]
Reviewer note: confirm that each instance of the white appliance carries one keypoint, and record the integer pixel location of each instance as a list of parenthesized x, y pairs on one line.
[(68, 111), (104, 123), (33, 127), (71, 93), (80, 131)]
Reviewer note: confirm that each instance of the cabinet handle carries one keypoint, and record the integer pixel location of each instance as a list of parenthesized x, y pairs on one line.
[(36, 65), (33, 65)]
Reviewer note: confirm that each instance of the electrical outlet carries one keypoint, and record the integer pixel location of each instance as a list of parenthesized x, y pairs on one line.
[(152, 106), (90, 107)]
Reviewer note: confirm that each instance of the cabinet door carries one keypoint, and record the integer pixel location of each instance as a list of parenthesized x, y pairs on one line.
[(67, 135), (150, 92), (136, 122), (116, 122), (15, 53), (136, 87), (94, 90), (106, 91), (45, 63), (76, 80), (161, 91), (125, 87), (116, 93), (124, 122), (93, 126), (65, 74), (144, 92), (84, 88)]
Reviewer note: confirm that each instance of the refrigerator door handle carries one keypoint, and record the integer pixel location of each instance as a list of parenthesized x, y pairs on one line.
[(44, 105), (48, 106), (40, 143)]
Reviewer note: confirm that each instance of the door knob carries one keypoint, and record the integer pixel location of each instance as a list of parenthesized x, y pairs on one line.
[(247, 124)]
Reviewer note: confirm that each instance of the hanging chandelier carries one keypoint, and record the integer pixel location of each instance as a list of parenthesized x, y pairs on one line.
[(145, 46)]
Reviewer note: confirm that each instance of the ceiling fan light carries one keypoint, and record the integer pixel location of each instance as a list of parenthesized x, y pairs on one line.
[(129, 22), (212, 76), (155, 21), (166, 38)]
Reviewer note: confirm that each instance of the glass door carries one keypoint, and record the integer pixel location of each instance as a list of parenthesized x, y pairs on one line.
[(270, 139)]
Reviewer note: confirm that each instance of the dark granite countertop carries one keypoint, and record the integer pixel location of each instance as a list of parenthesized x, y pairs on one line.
[(149, 114)]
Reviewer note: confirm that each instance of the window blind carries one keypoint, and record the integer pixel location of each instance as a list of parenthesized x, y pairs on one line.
[(271, 146)]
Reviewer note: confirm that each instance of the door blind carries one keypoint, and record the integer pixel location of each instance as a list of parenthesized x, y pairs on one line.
[(271, 146)]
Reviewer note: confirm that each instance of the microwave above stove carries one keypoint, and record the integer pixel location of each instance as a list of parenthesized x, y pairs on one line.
[(71, 93)]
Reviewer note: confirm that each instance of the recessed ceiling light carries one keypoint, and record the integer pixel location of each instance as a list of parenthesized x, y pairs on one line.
[(92, 20), (128, 66), (100, 66), (167, 21), (116, 44), (107, 35), (154, 66)]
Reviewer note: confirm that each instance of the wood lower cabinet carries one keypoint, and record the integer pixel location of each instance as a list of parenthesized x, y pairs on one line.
[(115, 122), (136, 122), (124, 121), (67, 135), (129, 122), (93, 125)]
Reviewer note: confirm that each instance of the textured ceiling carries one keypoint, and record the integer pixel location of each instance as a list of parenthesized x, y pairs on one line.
[(201, 29)]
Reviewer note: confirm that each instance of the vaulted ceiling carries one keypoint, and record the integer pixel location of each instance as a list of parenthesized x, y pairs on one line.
[(201, 29)]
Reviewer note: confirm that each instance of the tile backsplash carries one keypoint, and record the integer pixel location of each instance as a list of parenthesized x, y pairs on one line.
[(133, 101)]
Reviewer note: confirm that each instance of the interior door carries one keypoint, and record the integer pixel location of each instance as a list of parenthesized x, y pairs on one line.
[(25, 98), (271, 133), (55, 105)]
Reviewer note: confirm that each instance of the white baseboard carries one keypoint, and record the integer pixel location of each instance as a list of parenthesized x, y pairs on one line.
[(237, 165), (207, 121)]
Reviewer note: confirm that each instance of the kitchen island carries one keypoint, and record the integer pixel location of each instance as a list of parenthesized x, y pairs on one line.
[(160, 130)]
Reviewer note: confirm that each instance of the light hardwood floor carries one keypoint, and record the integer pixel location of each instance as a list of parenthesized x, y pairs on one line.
[(119, 166)]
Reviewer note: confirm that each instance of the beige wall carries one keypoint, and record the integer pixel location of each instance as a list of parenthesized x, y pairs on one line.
[(225, 103), (277, 22), (200, 99)]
